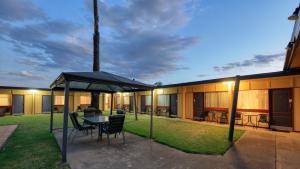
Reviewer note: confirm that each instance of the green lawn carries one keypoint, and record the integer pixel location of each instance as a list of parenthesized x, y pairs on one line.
[(32, 146), (192, 137)]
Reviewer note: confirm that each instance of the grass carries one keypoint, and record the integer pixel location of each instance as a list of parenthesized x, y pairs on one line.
[(31, 146), (191, 137)]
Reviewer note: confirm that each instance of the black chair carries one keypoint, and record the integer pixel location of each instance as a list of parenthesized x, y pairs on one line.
[(119, 111), (203, 116), (239, 116), (262, 118), (223, 118), (77, 126), (115, 126)]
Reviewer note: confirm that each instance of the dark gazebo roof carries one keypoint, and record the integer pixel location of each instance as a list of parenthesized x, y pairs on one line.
[(98, 81)]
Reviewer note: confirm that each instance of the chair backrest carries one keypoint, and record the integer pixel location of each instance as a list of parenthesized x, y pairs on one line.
[(120, 111), (263, 118), (224, 114), (116, 123), (76, 124), (238, 115), (91, 111)]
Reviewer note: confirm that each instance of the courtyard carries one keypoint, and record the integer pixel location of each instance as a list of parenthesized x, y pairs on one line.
[(176, 144)]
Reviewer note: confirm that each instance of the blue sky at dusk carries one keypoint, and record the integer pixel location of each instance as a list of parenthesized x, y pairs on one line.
[(158, 40)]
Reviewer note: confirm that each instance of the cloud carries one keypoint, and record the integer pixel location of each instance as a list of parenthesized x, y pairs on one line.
[(202, 75), (139, 39), (139, 45), (19, 10), (26, 75), (257, 60)]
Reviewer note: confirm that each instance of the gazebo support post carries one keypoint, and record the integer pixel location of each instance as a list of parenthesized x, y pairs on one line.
[(65, 123), (233, 109), (51, 112), (111, 102), (151, 115), (135, 112)]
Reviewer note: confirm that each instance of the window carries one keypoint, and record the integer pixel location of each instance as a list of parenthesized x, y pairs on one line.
[(126, 100), (118, 100), (148, 100), (59, 100), (46, 103), (85, 100), (163, 100), (253, 99), (5, 100), (216, 100)]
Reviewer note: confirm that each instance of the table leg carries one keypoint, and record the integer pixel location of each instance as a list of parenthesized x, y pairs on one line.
[(100, 132)]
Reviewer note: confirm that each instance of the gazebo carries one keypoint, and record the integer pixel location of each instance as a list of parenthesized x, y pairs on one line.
[(93, 82)]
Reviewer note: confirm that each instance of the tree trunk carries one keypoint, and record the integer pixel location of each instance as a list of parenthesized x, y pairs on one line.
[(96, 64)]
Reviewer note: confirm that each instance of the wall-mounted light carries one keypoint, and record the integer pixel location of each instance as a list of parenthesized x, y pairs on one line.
[(294, 16), (229, 85), (33, 91), (290, 45), (159, 91)]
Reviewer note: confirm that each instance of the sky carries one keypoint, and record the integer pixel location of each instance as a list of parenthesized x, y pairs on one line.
[(170, 41)]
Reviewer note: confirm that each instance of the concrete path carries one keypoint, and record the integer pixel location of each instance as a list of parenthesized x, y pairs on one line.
[(256, 149), (5, 132)]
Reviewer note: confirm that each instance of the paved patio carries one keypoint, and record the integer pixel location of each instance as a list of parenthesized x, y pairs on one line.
[(5, 132), (256, 149)]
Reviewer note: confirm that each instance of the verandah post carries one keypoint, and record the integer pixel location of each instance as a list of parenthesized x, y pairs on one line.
[(51, 112), (233, 109), (65, 124), (135, 112), (111, 102), (151, 115)]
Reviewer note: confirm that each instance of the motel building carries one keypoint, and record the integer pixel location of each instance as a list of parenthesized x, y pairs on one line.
[(267, 100)]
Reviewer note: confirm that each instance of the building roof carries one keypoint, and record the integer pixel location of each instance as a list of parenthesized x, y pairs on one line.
[(292, 59), (98, 81), (244, 77)]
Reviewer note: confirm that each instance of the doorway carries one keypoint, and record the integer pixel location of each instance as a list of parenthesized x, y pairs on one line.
[(143, 103), (173, 105), (281, 116), (198, 105), (131, 103), (46, 104), (17, 104)]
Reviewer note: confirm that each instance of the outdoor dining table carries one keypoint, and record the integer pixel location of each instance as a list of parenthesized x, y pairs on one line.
[(98, 120), (249, 119)]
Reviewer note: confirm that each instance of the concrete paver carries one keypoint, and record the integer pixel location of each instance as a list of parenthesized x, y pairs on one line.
[(5, 132), (256, 149)]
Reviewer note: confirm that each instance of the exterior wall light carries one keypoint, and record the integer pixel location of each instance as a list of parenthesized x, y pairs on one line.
[(229, 84)]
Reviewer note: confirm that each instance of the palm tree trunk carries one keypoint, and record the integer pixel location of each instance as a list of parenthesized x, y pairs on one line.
[(96, 64)]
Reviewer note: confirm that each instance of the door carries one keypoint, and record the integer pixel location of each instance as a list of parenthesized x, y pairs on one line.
[(131, 104), (198, 105), (281, 109), (46, 104), (17, 104), (143, 103), (173, 105)]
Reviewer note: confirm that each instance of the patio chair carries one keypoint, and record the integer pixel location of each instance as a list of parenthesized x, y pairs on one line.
[(262, 118), (121, 111), (77, 126), (114, 126), (203, 116), (239, 116), (213, 116), (223, 118)]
